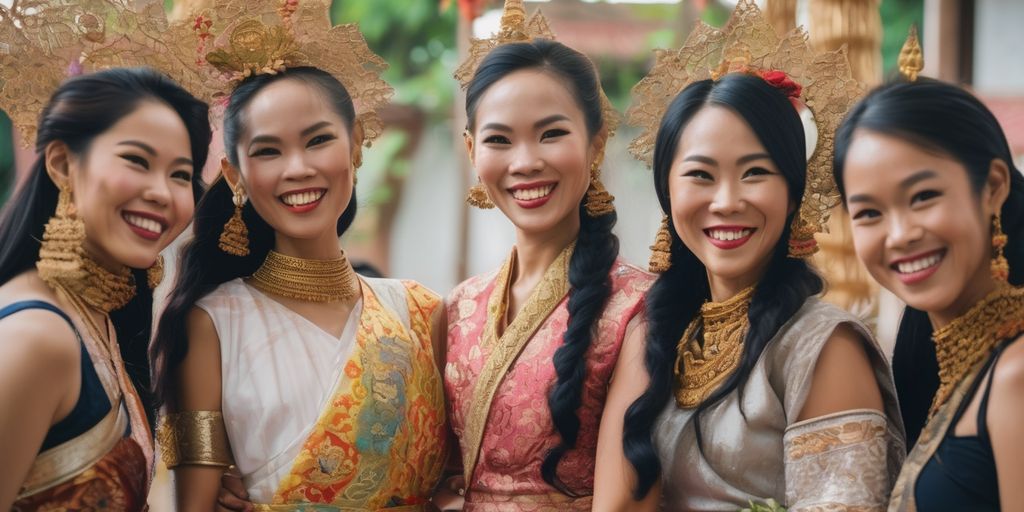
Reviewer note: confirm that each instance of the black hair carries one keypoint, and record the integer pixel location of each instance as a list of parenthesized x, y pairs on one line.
[(677, 295), (203, 266), (944, 119), (596, 246), (81, 109)]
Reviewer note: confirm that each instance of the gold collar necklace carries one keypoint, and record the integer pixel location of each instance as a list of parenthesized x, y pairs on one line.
[(701, 368), (95, 286), (308, 280), (970, 338)]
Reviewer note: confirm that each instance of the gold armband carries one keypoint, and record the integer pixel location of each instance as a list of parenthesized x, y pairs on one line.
[(194, 438)]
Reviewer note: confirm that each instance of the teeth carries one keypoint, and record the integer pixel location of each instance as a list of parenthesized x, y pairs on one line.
[(728, 235), (144, 223), (302, 198), (529, 194), (909, 267)]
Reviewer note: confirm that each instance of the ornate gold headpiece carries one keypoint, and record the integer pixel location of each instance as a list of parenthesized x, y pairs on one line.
[(232, 40), (516, 27), (44, 42), (911, 60), (748, 43)]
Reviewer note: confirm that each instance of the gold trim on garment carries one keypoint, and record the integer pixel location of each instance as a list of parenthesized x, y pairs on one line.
[(69, 459), (194, 438), (313, 507), (506, 349)]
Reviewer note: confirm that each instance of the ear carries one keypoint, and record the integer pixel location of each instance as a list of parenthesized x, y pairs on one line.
[(997, 185), (58, 159), (358, 136), (468, 139), (598, 145), (231, 174)]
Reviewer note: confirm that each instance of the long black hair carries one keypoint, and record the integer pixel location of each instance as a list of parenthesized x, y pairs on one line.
[(203, 265), (944, 119), (677, 295), (81, 109), (596, 246)]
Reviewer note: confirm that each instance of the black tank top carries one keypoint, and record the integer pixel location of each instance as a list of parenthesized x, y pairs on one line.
[(961, 475), (92, 405)]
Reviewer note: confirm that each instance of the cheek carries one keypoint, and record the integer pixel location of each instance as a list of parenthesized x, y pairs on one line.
[(490, 166)]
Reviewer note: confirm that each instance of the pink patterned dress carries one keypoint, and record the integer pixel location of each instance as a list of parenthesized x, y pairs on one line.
[(504, 444)]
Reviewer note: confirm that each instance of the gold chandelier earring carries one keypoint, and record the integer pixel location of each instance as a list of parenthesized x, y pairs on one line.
[(661, 251), (155, 274), (599, 200), (478, 197), (60, 253), (234, 239), (1000, 268)]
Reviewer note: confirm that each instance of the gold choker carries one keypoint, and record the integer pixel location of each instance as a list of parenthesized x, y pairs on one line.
[(970, 338), (308, 280), (95, 286), (701, 368)]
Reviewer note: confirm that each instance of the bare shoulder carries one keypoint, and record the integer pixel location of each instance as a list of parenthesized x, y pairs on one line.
[(843, 377), (40, 340), (1008, 376)]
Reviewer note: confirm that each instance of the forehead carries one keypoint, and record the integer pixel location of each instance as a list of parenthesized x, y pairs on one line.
[(154, 123), (288, 105), (526, 95), (717, 130), (876, 161)]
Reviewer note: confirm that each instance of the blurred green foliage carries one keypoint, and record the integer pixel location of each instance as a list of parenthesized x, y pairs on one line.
[(897, 17), (6, 158)]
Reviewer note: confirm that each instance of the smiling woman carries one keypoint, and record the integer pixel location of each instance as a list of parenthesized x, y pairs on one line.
[(117, 154)]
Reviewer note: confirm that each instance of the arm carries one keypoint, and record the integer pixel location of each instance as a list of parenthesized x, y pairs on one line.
[(1006, 426), (446, 496), (40, 366), (614, 478), (199, 389), (836, 453)]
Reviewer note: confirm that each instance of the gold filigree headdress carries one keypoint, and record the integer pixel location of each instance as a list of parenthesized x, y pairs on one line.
[(44, 42), (232, 40), (516, 27), (748, 43)]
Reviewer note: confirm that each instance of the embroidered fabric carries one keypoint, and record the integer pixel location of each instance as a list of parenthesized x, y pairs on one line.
[(838, 462)]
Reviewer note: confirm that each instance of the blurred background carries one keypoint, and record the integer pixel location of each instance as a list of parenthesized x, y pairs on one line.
[(412, 220)]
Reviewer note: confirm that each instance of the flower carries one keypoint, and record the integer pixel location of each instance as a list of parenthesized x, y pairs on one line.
[(781, 81)]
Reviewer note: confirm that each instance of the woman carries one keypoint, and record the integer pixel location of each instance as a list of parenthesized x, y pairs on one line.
[(320, 386), (118, 159), (937, 209), (533, 347), (759, 391)]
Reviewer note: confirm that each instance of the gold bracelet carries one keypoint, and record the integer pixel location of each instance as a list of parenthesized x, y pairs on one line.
[(194, 438)]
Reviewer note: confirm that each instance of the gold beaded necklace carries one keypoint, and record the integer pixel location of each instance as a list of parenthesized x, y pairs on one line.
[(701, 368), (308, 280), (971, 337)]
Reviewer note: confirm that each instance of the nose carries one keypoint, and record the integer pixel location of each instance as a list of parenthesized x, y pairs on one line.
[(903, 232), (526, 160), (297, 168), (157, 191), (727, 199)]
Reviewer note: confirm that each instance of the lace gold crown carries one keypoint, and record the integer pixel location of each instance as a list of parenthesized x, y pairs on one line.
[(748, 43), (229, 41), (42, 43)]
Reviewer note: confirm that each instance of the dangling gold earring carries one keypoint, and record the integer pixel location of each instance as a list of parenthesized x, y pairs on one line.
[(661, 251), (478, 197), (155, 274), (599, 201), (60, 253), (235, 237), (1000, 268)]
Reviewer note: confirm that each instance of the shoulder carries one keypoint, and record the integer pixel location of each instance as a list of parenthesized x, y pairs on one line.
[(225, 294), (37, 346), (813, 325), (419, 293), (626, 276), (472, 287), (1008, 376)]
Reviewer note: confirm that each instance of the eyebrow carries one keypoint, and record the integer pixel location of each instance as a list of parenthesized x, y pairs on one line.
[(739, 161), (270, 139), (906, 183), (543, 122), (152, 152)]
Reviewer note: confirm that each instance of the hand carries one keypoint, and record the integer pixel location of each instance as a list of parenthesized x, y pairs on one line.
[(233, 495), (450, 495)]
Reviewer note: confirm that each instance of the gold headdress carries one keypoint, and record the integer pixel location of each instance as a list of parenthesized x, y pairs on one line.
[(748, 43), (911, 61), (232, 40), (44, 42), (516, 27)]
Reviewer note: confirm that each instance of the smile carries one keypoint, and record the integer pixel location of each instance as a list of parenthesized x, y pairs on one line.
[(918, 268), (146, 225), (728, 237), (532, 195), (301, 201)]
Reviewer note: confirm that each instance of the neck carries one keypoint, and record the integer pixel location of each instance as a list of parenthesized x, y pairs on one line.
[(324, 247), (536, 251), (725, 288), (975, 291)]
